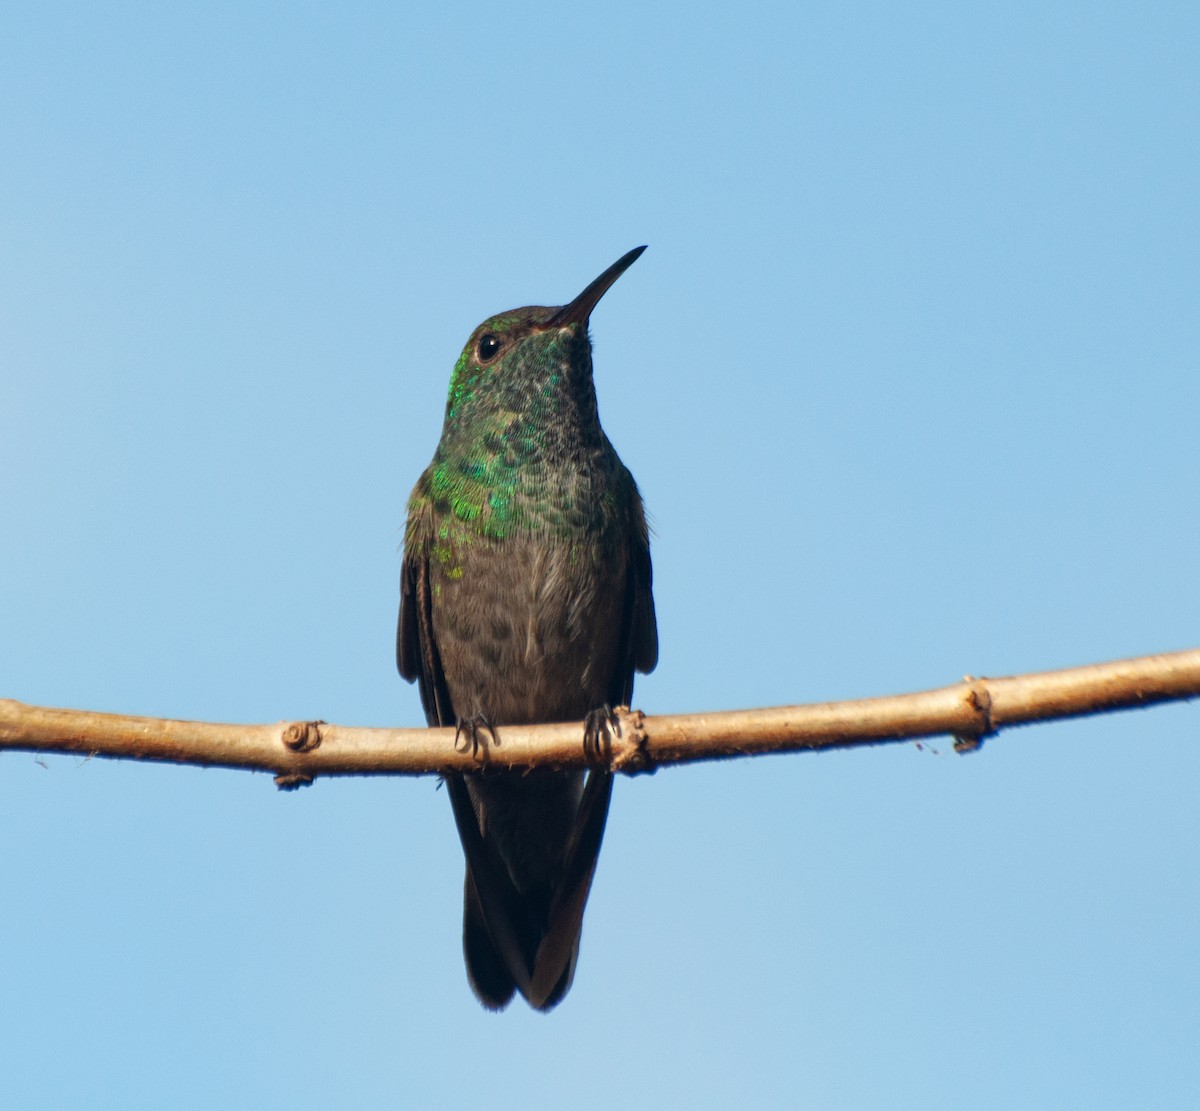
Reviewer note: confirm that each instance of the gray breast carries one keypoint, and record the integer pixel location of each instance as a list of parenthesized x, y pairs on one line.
[(529, 630)]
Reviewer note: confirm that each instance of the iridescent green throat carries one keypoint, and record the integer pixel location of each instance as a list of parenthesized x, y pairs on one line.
[(515, 436)]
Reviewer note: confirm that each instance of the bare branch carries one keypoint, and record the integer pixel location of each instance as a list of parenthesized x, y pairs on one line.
[(298, 751)]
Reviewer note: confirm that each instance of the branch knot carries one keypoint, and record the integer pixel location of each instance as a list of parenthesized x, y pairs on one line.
[(979, 698), (303, 736), (633, 753)]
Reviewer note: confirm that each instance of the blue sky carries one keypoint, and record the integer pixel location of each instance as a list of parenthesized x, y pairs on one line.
[(908, 377)]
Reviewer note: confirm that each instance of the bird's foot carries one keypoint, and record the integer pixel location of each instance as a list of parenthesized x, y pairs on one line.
[(474, 733), (598, 729)]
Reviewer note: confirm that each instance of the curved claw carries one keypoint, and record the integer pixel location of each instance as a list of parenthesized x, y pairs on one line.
[(598, 729), (476, 743)]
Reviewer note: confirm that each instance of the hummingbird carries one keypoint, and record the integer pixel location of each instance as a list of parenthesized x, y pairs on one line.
[(525, 597)]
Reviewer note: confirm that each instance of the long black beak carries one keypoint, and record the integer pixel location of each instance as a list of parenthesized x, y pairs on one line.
[(578, 311)]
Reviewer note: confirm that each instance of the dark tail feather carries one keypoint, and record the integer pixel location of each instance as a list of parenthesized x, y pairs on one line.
[(554, 963), (529, 942), (487, 973), (564, 983), (490, 979)]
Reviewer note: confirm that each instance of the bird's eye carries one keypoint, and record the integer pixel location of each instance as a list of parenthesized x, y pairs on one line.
[(489, 345)]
